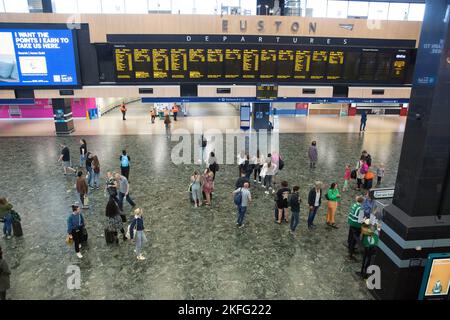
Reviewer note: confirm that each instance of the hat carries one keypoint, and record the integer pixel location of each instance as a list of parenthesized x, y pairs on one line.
[(367, 221), (75, 205)]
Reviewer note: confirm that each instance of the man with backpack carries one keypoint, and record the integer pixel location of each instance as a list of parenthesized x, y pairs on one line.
[(242, 198), (125, 164)]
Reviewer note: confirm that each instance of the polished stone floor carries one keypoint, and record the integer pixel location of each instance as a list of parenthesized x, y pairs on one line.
[(192, 253)]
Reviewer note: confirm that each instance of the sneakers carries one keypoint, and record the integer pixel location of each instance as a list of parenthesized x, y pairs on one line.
[(241, 226), (140, 257), (79, 255), (266, 192), (254, 180)]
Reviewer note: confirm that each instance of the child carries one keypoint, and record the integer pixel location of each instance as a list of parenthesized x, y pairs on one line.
[(368, 180), (312, 154), (380, 173), (346, 177)]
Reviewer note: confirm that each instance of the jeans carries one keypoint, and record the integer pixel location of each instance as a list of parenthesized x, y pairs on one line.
[(130, 201), (311, 216), (175, 116), (96, 179), (90, 175), (82, 160), (125, 171), (362, 126), (241, 214), (353, 239), (268, 181), (7, 224), (140, 240), (294, 220), (196, 194)]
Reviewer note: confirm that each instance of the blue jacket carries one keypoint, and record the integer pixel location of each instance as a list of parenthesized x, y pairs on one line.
[(74, 222), (368, 206), (138, 223)]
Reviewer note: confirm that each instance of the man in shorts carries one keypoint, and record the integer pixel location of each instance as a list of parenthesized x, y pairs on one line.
[(65, 158)]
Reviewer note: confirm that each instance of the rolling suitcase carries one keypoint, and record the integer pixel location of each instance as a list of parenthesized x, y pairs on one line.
[(17, 229), (111, 236)]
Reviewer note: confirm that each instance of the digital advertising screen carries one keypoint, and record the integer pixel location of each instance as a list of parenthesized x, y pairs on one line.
[(436, 278), (38, 57)]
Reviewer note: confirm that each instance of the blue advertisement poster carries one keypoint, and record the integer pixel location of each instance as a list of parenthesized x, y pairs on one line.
[(30, 57)]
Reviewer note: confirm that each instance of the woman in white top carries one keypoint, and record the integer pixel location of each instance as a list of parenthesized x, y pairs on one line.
[(240, 160), (258, 161), (267, 172), (212, 164)]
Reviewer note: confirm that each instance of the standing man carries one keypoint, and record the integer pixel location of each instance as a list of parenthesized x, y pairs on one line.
[(203, 143), (65, 158), (124, 191), (362, 126), (314, 202), (355, 219), (246, 198), (125, 164), (294, 203), (123, 109), (175, 111)]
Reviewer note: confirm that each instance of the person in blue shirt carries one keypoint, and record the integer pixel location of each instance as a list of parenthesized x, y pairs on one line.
[(75, 225), (368, 205), (137, 228), (362, 126)]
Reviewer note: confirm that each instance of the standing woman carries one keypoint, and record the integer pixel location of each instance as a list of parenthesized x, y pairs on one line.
[(208, 185), (82, 188), (5, 214), (196, 188), (282, 201), (212, 164), (333, 198), (360, 172), (268, 171), (137, 228), (4, 276), (258, 161), (75, 225), (89, 169), (114, 221), (167, 124), (83, 152), (312, 154), (96, 170)]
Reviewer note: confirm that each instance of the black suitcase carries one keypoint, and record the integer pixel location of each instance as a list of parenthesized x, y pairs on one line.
[(111, 236), (84, 235), (17, 228)]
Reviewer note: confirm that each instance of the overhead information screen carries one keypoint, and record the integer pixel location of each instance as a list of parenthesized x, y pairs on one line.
[(38, 58), (252, 63)]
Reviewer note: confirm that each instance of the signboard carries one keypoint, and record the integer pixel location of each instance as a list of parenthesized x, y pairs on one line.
[(193, 62), (436, 278), (382, 193), (37, 57)]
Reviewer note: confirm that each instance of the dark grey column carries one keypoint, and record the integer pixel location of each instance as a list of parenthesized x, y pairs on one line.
[(62, 114), (418, 221)]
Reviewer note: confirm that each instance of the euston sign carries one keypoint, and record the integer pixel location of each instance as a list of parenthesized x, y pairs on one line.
[(260, 26)]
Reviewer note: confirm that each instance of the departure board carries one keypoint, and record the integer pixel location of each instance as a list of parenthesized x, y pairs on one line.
[(250, 64), (266, 91), (197, 63), (302, 64), (141, 63), (233, 63), (178, 63), (215, 63), (285, 63), (160, 63), (335, 63), (268, 64), (124, 64)]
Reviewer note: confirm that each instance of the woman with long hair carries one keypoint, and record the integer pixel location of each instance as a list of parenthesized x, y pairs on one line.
[(114, 221), (333, 198), (196, 188), (96, 171), (208, 185)]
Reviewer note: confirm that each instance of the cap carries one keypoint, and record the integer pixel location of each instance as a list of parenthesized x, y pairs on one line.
[(75, 205)]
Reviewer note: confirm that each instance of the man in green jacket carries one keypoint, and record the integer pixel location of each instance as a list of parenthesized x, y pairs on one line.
[(355, 218)]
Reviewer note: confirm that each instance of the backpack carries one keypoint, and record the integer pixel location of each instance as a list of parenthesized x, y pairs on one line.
[(124, 161), (238, 198), (281, 164), (353, 174)]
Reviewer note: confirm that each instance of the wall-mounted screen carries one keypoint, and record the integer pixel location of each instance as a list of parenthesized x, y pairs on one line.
[(227, 63), (37, 57), (436, 278)]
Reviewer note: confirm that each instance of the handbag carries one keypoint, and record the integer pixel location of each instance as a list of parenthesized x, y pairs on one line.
[(86, 200), (69, 240)]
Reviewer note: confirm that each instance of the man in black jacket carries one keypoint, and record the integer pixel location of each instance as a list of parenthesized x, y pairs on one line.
[(294, 203), (241, 180), (314, 202)]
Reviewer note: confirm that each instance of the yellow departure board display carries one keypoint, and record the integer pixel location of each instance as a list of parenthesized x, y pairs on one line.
[(141, 62), (268, 64), (233, 63), (215, 60), (398, 68), (179, 63), (335, 63), (197, 63), (250, 63), (302, 64), (285, 63), (319, 64), (124, 63), (160, 63)]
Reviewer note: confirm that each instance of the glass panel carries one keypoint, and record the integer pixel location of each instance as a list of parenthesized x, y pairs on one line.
[(136, 6), (182, 6), (65, 6), (16, 6), (2, 7), (358, 9), (416, 11), (248, 7), (113, 6), (378, 10), (206, 7), (318, 8), (398, 11), (337, 9), (89, 6)]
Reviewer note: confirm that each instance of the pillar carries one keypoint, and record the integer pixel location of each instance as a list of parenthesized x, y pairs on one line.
[(418, 221), (62, 115)]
